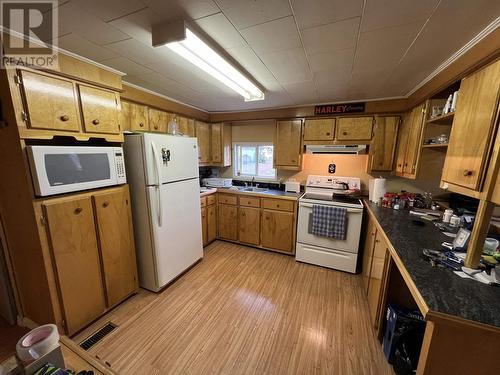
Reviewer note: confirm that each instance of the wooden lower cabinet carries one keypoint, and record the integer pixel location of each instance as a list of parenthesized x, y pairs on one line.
[(369, 243), (267, 223), (204, 226), (116, 240), (249, 225), (211, 223), (91, 244), (73, 241), (378, 269), (227, 219), (277, 230)]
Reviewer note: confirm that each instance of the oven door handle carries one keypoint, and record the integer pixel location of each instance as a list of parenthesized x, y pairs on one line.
[(349, 210)]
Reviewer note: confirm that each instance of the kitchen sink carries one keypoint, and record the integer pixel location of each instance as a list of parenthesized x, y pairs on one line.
[(254, 189)]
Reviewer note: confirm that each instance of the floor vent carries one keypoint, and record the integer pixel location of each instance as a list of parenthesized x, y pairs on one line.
[(97, 336)]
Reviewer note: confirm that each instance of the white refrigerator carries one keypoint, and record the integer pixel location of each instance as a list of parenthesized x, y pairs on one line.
[(162, 171)]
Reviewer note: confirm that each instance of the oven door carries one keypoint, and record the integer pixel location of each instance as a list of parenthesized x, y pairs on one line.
[(63, 169), (350, 244)]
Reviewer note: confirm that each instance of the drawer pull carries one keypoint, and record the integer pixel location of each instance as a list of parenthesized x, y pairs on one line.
[(141, 124), (277, 205), (467, 173), (64, 118), (95, 122), (105, 204), (78, 210)]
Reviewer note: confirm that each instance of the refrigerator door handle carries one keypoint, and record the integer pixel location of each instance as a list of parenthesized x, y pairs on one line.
[(158, 182)]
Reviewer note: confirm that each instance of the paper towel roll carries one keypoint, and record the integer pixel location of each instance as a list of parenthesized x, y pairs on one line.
[(370, 189), (37, 343), (379, 189)]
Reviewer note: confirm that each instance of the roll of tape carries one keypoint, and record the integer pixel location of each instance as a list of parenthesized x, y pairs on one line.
[(37, 343)]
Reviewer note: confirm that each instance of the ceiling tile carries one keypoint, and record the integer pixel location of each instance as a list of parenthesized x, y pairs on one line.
[(81, 46), (302, 92), (331, 37), (288, 66), (273, 36), (137, 51), (72, 18), (125, 65), (138, 25), (438, 42), (340, 60), (221, 30), (395, 12), (171, 10), (310, 13), (253, 65), (244, 13), (331, 86), (380, 50), (110, 9)]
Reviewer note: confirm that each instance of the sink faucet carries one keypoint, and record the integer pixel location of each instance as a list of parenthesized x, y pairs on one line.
[(253, 180)]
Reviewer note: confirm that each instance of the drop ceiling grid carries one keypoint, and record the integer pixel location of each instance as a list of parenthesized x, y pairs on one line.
[(301, 52)]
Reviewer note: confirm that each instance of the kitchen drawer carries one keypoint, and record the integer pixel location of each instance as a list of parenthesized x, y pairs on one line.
[(278, 204), (203, 201), (249, 201), (210, 199), (228, 199)]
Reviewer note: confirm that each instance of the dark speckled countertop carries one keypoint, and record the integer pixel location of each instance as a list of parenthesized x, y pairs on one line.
[(442, 290)]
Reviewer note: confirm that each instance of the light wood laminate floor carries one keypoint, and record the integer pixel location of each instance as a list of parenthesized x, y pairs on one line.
[(245, 311)]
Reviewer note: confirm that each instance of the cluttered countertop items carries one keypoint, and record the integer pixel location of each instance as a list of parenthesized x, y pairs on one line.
[(442, 290)]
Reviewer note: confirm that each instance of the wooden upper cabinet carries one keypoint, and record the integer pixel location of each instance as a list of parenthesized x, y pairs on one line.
[(410, 142), (139, 117), (288, 145), (354, 128), (414, 140), (100, 110), (186, 126), (125, 115), (383, 144), (473, 126), (158, 120), (402, 142), (216, 143), (277, 230), (203, 136), (75, 255), (220, 144), (50, 102), (319, 129), (116, 240), (249, 225)]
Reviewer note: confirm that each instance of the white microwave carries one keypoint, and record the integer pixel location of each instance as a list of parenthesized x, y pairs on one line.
[(63, 169)]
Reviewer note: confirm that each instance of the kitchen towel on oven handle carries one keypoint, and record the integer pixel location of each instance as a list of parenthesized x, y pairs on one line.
[(328, 221)]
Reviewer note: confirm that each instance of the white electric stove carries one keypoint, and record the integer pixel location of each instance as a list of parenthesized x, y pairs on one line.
[(325, 251)]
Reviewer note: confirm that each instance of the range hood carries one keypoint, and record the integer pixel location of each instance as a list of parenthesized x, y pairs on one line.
[(336, 149)]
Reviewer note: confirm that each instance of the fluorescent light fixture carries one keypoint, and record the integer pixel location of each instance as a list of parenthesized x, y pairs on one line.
[(198, 53)]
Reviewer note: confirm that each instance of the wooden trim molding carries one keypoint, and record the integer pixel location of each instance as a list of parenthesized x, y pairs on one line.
[(142, 96)]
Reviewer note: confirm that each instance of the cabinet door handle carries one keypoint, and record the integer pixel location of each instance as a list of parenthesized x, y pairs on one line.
[(64, 118), (141, 124), (105, 204), (243, 214), (344, 133), (267, 217), (327, 133), (95, 122), (467, 173), (78, 210)]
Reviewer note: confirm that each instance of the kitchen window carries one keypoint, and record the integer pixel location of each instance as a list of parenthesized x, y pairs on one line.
[(254, 160)]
